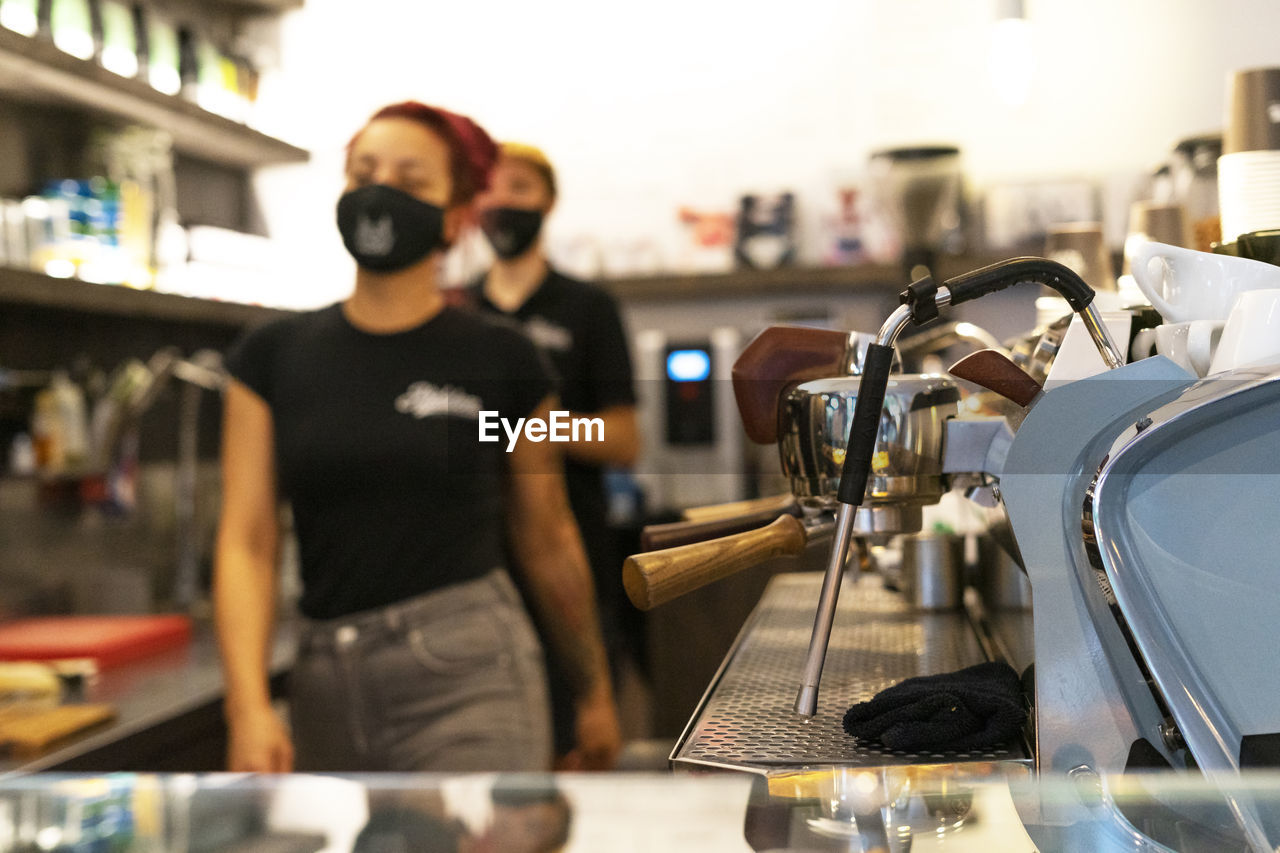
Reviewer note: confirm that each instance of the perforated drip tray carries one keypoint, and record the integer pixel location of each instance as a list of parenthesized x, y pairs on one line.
[(746, 721)]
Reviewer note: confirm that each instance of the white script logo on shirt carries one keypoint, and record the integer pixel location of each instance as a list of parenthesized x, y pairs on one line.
[(422, 399), (548, 335)]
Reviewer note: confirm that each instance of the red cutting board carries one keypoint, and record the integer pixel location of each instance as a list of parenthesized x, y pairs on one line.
[(110, 640)]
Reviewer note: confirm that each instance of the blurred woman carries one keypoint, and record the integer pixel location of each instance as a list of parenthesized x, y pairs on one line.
[(415, 652)]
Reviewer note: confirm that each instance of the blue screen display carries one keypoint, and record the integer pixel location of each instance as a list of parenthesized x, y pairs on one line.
[(688, 365)]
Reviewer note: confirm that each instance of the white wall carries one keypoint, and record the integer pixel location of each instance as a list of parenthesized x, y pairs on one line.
[(648, 106)]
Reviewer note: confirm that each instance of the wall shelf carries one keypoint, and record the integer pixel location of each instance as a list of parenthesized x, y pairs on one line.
[(809, 280), (33, 70), (20, 287), (36, 290), (260, 6)]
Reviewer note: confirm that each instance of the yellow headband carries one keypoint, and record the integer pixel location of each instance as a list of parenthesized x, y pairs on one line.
[(534, 157)]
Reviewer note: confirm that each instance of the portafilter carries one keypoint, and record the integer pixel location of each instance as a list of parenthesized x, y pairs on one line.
[(809, 421), (906, 465), (798, 387)]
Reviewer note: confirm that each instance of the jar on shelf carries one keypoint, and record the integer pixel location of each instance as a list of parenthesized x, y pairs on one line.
[(1194, 172)]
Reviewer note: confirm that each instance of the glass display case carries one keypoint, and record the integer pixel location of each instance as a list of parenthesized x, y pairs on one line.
[(955, 807)]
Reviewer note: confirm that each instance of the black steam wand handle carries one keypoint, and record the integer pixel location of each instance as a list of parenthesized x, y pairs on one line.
[(865, 428), (919, 296), (1007, 273)]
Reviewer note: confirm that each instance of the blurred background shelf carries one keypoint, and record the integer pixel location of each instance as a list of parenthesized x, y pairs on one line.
[(36, 290), (261, 6), (33, 289), (33, 70), (808, 280)]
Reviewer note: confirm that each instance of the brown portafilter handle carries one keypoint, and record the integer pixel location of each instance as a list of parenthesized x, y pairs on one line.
[(995, 372), (655, 537), (661, 576), (777, 357), (778, 504)]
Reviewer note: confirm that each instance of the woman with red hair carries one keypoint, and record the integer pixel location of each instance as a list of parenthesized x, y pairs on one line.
[(415, 652)]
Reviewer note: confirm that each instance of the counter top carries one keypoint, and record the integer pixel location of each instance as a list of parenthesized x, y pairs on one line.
[(164, 704)]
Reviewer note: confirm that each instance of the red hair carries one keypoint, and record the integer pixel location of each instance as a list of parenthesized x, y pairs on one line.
[(472, 153)]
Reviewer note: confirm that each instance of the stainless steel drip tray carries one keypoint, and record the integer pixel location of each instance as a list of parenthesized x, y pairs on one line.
[(746, 722)]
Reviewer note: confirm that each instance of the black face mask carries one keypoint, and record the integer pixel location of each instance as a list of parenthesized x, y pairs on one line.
[(386, 229), (511, 230)]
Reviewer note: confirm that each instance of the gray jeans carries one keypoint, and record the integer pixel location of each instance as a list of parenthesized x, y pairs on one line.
[(449, 681)]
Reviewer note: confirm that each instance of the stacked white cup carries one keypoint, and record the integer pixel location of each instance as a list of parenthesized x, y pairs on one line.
[(1252, 332), (1197, 294), (1249, 192), (1249, 168)]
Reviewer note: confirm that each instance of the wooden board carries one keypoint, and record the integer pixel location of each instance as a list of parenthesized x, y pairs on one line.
[(27, 731)]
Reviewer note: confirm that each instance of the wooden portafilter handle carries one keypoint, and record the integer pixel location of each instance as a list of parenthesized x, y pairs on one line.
[(711, 523), (776, 504), (661, 576)]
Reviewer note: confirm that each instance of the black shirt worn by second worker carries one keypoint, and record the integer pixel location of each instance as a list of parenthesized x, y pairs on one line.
[(377, 447), (579, 328)]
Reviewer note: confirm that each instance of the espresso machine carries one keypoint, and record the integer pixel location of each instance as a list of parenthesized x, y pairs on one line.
[(1135, 500)]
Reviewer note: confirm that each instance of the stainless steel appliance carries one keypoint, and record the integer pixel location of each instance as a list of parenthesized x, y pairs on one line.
[(694, 444)]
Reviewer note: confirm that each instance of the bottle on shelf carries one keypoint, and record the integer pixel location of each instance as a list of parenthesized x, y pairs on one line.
[(845, 238), (48, 224), (118, 36), (73, 424), (22, 455), (74, 230), (71, 25), (21, 16), (163, 53), (47, 435)]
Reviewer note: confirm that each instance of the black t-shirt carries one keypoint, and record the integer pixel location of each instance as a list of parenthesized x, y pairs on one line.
[(377, 447), (578, 327)]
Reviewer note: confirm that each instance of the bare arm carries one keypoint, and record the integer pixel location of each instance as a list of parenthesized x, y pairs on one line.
[(548, 550), (607, 358), (619, 438), (244, 581)]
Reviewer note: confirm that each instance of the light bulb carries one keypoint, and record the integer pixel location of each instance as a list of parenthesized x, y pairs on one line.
[(1012, 60)]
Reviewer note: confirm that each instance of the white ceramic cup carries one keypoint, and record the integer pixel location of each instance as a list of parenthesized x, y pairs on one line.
[(1189, 345), (1185, 285), (1252, 333), (1143, 345)]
